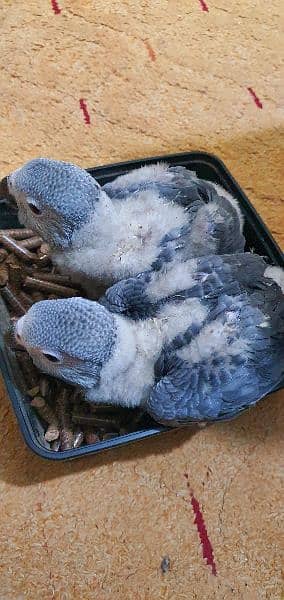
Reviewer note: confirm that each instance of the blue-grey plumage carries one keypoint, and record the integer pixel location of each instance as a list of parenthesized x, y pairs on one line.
[(150, 217), (206, 277), (197, 357), (214, 220), (54, 198)]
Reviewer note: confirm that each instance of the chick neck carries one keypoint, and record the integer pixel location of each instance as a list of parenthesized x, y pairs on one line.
[(67, 233), (127, 377)]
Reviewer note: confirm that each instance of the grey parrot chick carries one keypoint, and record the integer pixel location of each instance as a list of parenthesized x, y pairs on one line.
[(151, 216), (208, 350)]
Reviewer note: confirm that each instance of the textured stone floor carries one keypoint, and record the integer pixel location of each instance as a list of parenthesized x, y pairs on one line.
[(98, 82)]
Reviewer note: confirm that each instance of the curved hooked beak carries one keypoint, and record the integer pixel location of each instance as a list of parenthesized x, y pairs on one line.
[(12, 339), (5, 196), (19, 326)]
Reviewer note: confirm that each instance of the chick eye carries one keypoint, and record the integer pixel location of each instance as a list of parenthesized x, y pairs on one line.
[(51, 357), (35, 210)]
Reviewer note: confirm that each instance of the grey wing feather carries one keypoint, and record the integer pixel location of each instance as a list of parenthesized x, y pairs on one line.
[(230, 274), (128, 297), (176, 184), (214, 226), (218, 388), (206, 231), (207, 278), (216, 229), (210, 276)]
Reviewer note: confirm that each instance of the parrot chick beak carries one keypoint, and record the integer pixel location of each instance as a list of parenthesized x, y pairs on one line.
[(18, 326), (12, 339), (5, 195)]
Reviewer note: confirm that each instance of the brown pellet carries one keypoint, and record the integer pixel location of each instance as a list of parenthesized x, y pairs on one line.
[(21, 252), (91, 437), (34, 391), (32, 243), (44, 248), (18, 234), (53, 277), (26, 300), (15, 275), (37, 296), (52, 432), (48, 286), (28, 369), (109, 436), (66, 439), (44, 410), (62, 407), (10, 341), (4, 276), (42, 259), (44, 386), (88, 419), (11, 299), (13, 260), (3, 254)]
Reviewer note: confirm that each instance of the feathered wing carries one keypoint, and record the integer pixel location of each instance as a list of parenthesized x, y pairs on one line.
[(214, 221), (176, 184), (128, 297), (230, 364), (217, 227), (205, 277)]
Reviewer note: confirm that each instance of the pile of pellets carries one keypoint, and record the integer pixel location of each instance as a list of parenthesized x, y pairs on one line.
[(27, 276)]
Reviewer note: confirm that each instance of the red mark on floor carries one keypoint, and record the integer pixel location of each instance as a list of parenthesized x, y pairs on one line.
[(56, 9), (85, 111), (202, 531), (204, 5), (150, 50), (255, 97)]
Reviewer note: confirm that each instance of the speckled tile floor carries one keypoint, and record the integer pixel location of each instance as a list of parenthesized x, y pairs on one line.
[(98, 82)]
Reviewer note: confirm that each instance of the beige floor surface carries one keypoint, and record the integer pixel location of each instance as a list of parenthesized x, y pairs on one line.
[(155, 77)]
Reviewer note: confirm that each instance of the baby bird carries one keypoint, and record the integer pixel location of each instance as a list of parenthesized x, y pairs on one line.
[(203, 352), (142, 220)]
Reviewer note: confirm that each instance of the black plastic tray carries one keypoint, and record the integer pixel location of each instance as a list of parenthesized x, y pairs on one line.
[(258, 238)]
